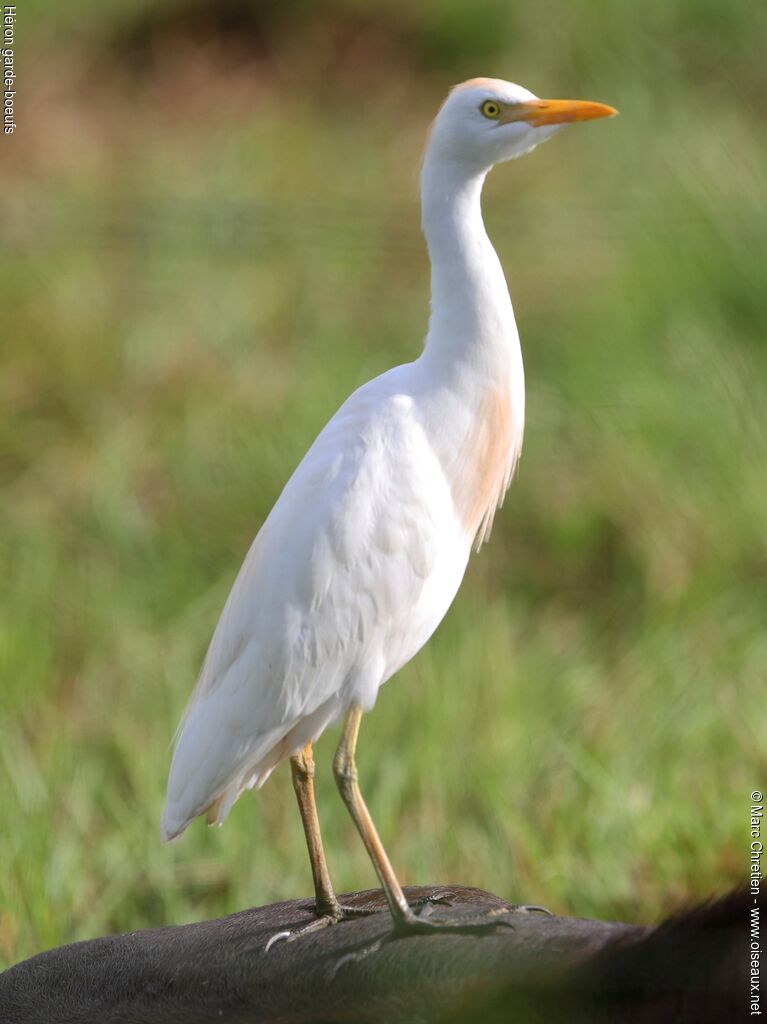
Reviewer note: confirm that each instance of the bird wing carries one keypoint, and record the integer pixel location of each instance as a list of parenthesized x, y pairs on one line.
[(340, 588)]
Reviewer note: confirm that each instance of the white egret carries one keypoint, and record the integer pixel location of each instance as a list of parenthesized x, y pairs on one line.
[(365, 549)]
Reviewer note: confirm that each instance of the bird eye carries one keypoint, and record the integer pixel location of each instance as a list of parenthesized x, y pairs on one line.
[(491, 109)]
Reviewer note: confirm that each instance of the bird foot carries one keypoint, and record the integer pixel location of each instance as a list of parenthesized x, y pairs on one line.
[(418, 921), (422, 922), (334, 915)]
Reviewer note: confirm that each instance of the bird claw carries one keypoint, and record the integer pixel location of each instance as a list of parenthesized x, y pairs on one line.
[(277, 937)]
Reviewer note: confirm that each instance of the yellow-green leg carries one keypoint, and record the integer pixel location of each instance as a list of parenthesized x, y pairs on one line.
[(345, 771), (329, 910), (302, 768), (405, 920)]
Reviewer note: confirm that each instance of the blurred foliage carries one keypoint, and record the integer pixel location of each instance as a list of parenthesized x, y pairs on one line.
[(210, 236)]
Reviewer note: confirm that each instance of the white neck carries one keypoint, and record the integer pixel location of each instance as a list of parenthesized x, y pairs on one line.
[(472, 356), (471, 315)]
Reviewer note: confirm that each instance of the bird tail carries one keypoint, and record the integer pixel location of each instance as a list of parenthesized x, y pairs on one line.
[(175, 821), (206, 779)]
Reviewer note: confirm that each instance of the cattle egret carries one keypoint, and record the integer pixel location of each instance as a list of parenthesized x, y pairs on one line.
[(365, 549)]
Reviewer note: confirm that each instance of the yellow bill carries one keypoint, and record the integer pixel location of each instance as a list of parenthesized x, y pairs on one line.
[(541, 112)]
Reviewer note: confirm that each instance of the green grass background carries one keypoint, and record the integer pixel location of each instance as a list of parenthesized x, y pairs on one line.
[(209, 237)]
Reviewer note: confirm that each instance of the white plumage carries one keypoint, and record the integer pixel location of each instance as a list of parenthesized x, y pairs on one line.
[(364, 550), (349, 575)]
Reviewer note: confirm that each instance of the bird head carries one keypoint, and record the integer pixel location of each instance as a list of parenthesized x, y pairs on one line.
[(485, 121)]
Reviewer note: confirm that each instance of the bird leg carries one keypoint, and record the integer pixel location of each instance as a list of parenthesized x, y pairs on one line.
[(345, 772), (302, 769), (405, 920), (328, 909)]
